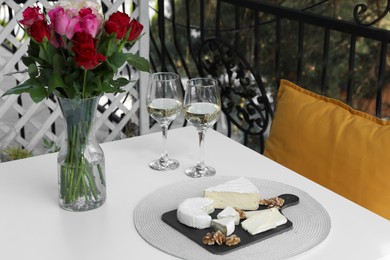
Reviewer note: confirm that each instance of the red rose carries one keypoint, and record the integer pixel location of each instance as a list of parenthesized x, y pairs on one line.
[(117, 23), (31, 15), (39, 30), (135, 30), (85, 52)]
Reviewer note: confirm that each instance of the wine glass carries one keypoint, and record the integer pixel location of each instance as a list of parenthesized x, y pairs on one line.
[(202, 106), (164, 103)]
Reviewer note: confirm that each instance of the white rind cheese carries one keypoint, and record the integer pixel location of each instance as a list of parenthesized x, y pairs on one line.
[(229, 212), (225, 225), (240, 193), (194, 212), (263, 221), (249, 214)]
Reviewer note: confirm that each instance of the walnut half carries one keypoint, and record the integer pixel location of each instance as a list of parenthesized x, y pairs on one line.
[(232, 240), (272, 202), (219, 237), (208, 239)]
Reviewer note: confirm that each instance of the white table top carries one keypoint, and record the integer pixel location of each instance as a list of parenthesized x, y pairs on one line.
[(33, 226)]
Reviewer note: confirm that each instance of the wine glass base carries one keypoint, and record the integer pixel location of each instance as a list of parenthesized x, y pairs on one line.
[(197, 172), (161, 165)]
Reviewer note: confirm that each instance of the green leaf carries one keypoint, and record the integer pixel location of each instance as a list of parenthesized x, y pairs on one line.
[(27, 60), (107, 88), (32, 70), (108, 45), (120, 82), (32, 86), (51, 53), (38, 93), (42, 53), (55, 81), (45, 75), (138, 62), (69, 79), (33, 49), (70, 92), (117, 60), (22, 88), (59, 63)]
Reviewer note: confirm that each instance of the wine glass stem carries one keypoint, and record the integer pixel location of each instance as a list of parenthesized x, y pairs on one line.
[(164, 155), (200, 164)]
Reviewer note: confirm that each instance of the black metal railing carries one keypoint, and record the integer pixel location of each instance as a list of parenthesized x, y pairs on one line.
[(342, 59), (265, 19)]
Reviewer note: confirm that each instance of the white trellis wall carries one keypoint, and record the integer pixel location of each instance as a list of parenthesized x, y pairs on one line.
[(25, 123)]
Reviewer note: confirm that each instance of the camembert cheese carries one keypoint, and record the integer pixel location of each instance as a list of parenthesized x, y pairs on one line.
[(229, 212), (194, 212), (263, 221), (240, 193), (225, 225)]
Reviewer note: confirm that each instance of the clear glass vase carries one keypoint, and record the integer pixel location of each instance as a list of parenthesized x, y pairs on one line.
[(81, 172)]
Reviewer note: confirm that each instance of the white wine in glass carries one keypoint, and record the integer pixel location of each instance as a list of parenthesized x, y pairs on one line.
[(164, 103), (202, 106)]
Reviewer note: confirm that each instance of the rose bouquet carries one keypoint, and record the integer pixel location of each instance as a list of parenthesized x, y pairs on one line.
[(75, 55)]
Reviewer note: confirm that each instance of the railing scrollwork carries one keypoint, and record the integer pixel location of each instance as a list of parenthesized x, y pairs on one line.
[(244, 100), (362, 8)]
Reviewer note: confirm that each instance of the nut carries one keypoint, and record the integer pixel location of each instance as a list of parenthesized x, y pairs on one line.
[(241, 212), (232, 240), (272, 202), (219, 237), (208, 239)]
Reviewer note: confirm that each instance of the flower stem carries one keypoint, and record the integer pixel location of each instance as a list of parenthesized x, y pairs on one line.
[(84, 83)]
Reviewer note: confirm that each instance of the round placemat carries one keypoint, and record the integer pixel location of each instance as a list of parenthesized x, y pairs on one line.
[(311, 222)]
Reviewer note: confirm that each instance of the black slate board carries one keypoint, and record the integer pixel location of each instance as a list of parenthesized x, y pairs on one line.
[(247, 239)]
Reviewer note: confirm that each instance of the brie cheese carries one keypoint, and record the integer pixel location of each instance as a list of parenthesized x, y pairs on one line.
[(229, 212), (263, 221), (194, 212), (240, 193), (225, 225)]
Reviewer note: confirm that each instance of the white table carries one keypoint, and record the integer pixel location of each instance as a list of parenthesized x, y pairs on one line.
[(33, 226)]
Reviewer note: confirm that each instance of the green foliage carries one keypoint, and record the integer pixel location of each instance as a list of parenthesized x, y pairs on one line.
[(16, 153), (51, 146)]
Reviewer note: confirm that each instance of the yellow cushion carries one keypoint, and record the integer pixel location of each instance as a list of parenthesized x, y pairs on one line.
[(329, 142)]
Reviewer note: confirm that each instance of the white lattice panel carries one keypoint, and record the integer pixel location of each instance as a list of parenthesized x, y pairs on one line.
[(24, 123)]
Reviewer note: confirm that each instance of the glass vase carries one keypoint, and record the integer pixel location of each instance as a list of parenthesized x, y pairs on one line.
[(81, 172)]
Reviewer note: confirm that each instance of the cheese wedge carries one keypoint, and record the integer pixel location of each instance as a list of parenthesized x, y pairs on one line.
[(229, 212), (194, 212), (225, 225), (240, 193), (264, 220)]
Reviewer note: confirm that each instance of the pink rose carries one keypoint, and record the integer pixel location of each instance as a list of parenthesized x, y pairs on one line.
[(59, 20), (31, 15), (70, 30), (69, 21), (88, 22)]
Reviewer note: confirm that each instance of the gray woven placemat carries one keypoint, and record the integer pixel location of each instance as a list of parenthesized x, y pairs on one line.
[(311, 222)]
